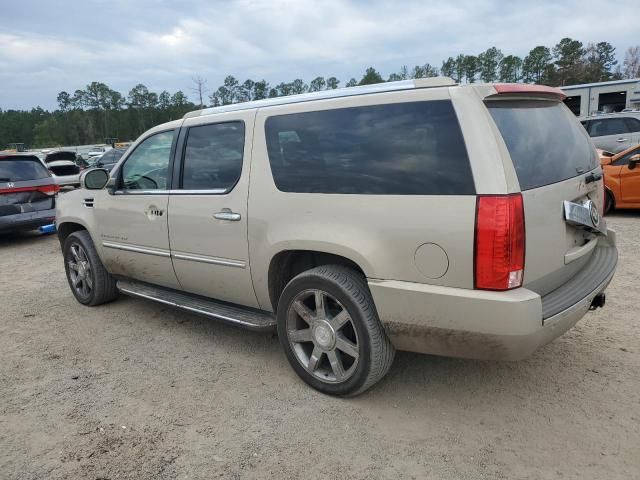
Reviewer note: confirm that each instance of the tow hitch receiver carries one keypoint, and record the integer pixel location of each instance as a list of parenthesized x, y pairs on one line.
[(598, 301)]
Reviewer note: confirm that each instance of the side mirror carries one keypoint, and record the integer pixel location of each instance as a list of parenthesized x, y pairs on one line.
[(633, 161), (94, 179)]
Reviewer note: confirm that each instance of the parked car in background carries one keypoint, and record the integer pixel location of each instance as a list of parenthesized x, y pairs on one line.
[(614, 132), (27, 193), (622, 178), (96, 152), (109, 159), (63, 164), (356, 222)]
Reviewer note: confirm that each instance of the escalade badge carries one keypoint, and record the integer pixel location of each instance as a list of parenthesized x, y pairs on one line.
[(584, 215)]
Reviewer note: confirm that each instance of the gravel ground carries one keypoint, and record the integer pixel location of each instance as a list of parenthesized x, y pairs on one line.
[(135, 390)]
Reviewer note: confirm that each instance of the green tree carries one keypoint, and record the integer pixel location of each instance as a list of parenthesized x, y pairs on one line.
[(260, 90), (488, 62), (569, 62), (537, 65), (332, 83), (448, 68), (352, 83), (599, 61), (470, 66), (510, 69), (371, 76), (424, 71), (317, 84)]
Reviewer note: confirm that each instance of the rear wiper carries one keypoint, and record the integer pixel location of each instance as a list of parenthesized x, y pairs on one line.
[(5, 179)]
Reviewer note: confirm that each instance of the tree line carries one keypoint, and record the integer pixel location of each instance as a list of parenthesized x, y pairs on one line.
[(97, 112)]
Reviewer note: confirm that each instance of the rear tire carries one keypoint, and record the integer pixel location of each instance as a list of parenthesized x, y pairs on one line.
[(89, 281), (329, 329)]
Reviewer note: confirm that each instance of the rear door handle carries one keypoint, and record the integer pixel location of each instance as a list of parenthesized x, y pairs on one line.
[(227, 215), (621, 140)]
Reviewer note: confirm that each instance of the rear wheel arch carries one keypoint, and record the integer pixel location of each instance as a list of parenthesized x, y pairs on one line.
[(287, 264)]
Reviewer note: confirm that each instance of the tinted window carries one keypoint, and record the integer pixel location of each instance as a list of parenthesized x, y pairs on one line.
[(21, 170), (398, 149), (545, 142), (633, 124), (607, 126), (213, 156), (625, 158), (148, 165), (112, 156)]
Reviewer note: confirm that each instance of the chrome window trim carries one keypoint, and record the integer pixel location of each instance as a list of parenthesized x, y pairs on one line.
[(213, 191)]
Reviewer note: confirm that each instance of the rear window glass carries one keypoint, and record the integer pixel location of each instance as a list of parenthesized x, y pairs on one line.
[(21, 170), (546, 143), (397, 149)]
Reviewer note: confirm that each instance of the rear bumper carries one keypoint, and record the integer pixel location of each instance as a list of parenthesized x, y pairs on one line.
[(480, 324), (27, 221)]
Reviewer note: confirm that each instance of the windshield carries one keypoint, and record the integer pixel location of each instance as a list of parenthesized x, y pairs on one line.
[(546, 143)]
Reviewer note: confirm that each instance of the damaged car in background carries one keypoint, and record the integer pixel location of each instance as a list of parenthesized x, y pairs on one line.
[(63, 164), (27, 193)]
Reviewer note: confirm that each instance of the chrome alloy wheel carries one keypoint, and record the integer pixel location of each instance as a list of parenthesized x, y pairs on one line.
[(80, 270), (322, 335)]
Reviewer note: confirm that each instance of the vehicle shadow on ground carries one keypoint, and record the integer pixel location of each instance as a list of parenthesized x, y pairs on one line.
[(21, 238), (412, 375)]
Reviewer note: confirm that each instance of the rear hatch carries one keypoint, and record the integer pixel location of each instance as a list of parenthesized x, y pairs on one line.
[(62, 163), (555, 163), (25, 186)]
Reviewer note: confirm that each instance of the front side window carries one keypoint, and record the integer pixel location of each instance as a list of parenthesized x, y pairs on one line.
[(607, 126), (213, 156), (148, 165), (624, 160), (413, 148), (633, 124)]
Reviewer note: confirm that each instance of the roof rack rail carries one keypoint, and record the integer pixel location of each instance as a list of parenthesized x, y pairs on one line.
[(430, 82)]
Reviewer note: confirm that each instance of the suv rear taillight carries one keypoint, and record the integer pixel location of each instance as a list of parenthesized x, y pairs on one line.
[(499, 242)]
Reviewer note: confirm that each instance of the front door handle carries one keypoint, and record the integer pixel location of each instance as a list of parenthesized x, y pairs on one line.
[(621, 140), (227, 215)]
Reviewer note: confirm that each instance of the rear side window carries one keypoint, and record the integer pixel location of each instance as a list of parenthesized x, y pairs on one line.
[(213, 156), (545, 142), (633, 124), (412, 148), (608, 126), (21, 170)]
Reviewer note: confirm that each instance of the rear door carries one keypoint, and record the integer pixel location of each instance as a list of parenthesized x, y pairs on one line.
[(553, 158), (611, 134), (634, 128), (208, 208)]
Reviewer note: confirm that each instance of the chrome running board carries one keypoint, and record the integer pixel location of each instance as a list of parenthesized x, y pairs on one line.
[(248, 318)]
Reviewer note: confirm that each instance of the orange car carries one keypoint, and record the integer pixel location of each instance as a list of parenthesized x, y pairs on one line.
[(621, 178)]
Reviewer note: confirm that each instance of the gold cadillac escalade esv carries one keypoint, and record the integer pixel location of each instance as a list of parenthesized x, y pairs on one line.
[(417, 215)]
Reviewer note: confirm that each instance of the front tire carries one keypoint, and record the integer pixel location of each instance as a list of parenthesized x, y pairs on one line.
[(329, 329), (609, 202), (89, 281)]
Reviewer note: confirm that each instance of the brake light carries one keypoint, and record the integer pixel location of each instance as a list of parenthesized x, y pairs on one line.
[(50, 189), (499, 242)]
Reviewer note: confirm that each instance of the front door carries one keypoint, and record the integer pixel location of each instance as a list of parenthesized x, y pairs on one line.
[(208, 208), (132, 219), (629, 179)]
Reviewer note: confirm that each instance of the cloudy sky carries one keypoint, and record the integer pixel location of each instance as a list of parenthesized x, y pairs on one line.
[(47, 46)]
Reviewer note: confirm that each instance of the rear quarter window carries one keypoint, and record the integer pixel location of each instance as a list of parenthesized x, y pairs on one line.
[(545, 141), (412, 148), (21, 170)]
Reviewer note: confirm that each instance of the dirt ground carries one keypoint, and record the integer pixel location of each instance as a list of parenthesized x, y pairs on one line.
[(135, 390)]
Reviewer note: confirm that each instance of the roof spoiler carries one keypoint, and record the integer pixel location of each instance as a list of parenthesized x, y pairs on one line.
[(524, 88)]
